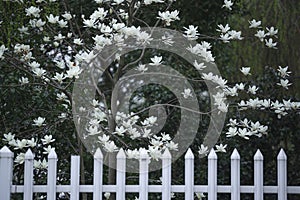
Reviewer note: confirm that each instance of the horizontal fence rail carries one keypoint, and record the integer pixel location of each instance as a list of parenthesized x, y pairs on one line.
[(98, 188)]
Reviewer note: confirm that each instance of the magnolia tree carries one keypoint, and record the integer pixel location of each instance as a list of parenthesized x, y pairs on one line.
[(97, 65)]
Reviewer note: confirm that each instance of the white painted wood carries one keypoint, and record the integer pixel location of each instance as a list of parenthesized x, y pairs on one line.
[(98, 177), (258, 189), (282, 175), (189, 175), (28, 176), (51, 176), (212, 175), (121, 174), (258, 176), (75, 170), (143, 176), (235, 175), (166, 175), (6, 170)]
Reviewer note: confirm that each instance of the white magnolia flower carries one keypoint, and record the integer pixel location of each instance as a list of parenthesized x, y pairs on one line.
[(143, 37), (187, 93), (93, 130), (221, 148), (47, 139), (203, 150), (23, 30), (89, 23), (23, 80), (200, 195), (120, 130), (133, 154), (252, 89), (33, 11), (117, 2), (142, 68), (232, 131), (39, 72), (191, 33), (244, 133), (245, 70), (156, 60), (73, 72), (48, 149), (21, 144), (223, 29), (271, 44), (235, 34), (168, 16), (20, 158), (228, 4), (67, 16), (104, 138), (78, 41), (199, 66), (284, 83), (225, 37), (283, 72), (110, 146), (254, 24), (62, 23), (39, 121), (99, 14), (31, 143), (59, 77), (155, 152), (272, 31), (52, 19), (148, 2), (106, 195), (8, 137), (261, 35), (240, 86), (172, 146), (2, 49)]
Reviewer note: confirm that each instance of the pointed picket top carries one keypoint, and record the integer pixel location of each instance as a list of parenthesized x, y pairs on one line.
[(29, 155), (52, 154), (189, 154), (98, 154), (167, 154), (5, 152), (281, 155), (212, 155), (258, 155), (235, 155), (121, 154)]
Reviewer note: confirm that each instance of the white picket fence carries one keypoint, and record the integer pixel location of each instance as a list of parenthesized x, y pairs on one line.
[(235, 189)]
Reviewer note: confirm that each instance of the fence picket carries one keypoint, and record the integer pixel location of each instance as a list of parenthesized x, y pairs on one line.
[(143, 176), (235, 175), (282, 175), (166, 175), (51, 176), (75, 169), (258, 189), (189, 175), (121, 174), (98, 171), (28, 176), (212, 175), (6, 172), (258, 176)]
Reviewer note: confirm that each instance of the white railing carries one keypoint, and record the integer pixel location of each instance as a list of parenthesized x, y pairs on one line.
[(189, 189)]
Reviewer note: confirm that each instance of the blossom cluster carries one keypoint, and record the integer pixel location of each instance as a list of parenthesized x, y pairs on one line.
[(55, 58)]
